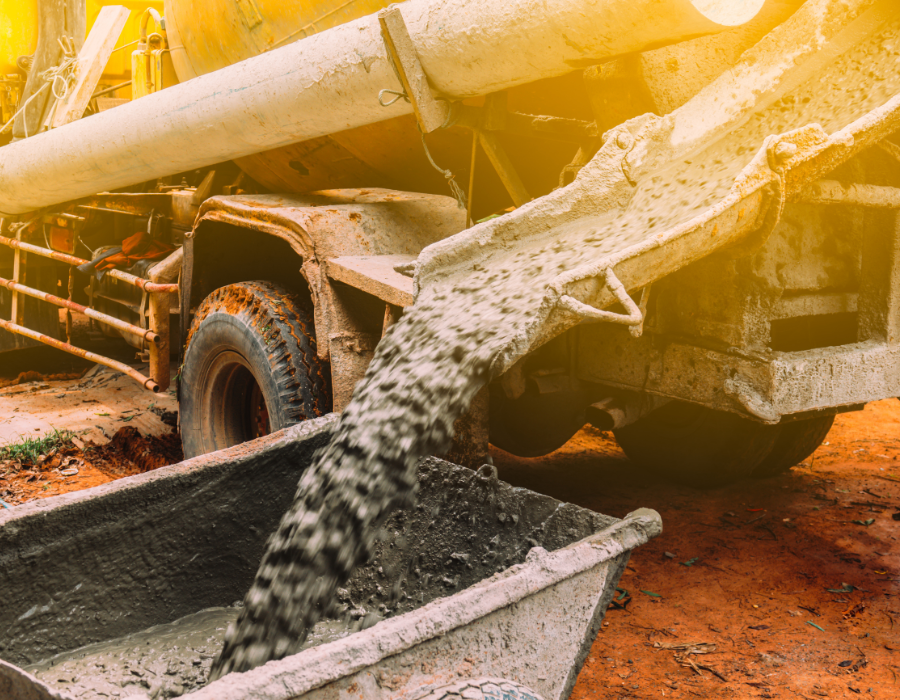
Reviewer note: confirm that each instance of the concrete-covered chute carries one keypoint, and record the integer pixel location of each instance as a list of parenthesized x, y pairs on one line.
[(329, 82)]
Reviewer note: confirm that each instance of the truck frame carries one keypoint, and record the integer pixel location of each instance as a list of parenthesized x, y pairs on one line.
[(718, 350)]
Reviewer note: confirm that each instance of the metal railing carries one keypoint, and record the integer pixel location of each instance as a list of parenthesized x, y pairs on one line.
[(156, 335)]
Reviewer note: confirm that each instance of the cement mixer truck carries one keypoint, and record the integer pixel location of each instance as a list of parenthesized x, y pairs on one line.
[(718, 180)]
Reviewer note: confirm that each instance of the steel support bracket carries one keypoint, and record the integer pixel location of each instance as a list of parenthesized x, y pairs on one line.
[(431, 113)]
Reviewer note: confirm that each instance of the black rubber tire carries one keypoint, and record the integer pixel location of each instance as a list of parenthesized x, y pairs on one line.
[(795, 442), (250, 367), (695, 445), (534, 425)]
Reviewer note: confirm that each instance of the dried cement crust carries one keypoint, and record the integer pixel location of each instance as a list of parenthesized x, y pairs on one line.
[(482, 689)]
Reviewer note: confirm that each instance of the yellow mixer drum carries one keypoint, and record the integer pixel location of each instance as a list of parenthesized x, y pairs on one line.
[(206, 36), (18, 32), (217, 33)]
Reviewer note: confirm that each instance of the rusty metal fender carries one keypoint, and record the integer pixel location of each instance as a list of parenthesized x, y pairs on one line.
[(330, 224)]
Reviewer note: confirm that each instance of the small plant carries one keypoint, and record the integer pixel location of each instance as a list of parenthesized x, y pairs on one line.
[(27, 450)]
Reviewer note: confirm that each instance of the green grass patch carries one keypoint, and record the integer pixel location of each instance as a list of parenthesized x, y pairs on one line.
[(27, 450)]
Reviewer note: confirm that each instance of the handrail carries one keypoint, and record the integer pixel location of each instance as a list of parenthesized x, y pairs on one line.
[(147, 382), (145, 333), (157, 334), (133, 280)]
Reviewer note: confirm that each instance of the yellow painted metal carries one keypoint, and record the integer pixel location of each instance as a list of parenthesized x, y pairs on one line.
[(151, 62), (19, 28), (209, 35), (118, 69), (18, 32)]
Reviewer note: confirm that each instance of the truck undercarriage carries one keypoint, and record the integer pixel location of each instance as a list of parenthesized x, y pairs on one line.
[(759, 317)]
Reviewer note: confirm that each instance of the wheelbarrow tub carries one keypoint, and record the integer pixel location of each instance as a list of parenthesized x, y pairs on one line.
[(478, 580)]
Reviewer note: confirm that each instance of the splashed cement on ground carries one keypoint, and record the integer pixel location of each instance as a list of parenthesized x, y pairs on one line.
[(430, 365)]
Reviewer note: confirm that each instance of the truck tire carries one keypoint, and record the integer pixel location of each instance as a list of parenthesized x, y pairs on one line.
[(795, 442), (250, 367), (481, 689), (534, 425), (695, 445)]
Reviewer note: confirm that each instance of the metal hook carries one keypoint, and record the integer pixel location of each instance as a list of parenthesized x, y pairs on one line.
[(634, 318), (399, 96)]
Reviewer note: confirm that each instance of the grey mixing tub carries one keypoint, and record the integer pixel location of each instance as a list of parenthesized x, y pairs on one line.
[(479, 582)]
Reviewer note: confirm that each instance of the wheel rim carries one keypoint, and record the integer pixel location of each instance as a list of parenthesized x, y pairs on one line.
[(234, 406)]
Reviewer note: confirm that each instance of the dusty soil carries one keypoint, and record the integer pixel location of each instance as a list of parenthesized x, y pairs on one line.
[(128, 453), (120, 429), (94, 405), (783, 588), (31, 376)]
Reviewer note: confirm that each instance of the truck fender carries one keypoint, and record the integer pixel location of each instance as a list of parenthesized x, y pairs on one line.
[(336, 223)]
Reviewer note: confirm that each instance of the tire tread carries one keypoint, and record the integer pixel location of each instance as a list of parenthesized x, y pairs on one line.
[(284, 320), (795, 442)]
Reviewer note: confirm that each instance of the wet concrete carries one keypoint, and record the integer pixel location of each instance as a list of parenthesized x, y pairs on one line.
[(99, 564), (436, 358), (164, 661)]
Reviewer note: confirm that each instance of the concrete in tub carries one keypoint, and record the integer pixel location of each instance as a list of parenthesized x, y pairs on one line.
[(105, 563)]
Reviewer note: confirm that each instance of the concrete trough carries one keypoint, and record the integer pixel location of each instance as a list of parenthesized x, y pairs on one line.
[(481, 583)]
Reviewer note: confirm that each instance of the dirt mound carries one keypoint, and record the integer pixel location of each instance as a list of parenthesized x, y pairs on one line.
[(32, 376), (130, 450), (72, 464)]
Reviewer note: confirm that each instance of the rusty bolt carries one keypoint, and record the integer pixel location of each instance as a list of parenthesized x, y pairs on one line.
[(785, 150), (624, 140)]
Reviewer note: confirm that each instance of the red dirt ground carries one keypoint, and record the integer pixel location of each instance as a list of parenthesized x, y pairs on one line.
[(758, 572), (32, 376), (128, 453)]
